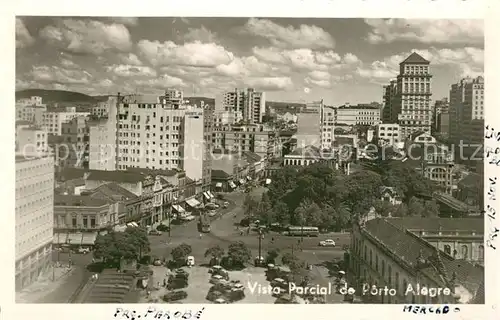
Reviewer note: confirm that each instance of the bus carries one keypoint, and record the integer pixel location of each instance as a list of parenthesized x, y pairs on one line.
[(204, 223), (305, 231)]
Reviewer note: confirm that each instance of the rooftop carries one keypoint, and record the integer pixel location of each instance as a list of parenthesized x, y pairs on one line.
[(308, 151), (78, 201), (221, 174), (166, 173), (115, 176), (415, 58), (472, 180), (114, 192), (434, 224)]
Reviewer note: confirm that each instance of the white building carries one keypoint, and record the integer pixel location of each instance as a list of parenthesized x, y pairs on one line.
[(357, 115), (388, 134), (30, 109), (31, 141), (327, 127), (248, 103), (224, 118), (52, 120), (148, 132), (34, 218)]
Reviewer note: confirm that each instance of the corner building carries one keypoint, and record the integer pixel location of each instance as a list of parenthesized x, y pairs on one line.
[(34, 218)]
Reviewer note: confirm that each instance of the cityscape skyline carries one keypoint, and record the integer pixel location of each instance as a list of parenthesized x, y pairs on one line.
[(291, 59)]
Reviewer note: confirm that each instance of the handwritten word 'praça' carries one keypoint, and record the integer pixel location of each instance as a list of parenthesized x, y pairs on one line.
[(493, 159), (153, 313), (429, 309)]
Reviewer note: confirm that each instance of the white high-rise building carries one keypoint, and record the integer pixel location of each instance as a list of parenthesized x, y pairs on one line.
[(34, 217), (148, 132), (247, 104)]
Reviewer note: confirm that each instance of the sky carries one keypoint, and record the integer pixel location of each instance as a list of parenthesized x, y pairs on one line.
[(292, 59)]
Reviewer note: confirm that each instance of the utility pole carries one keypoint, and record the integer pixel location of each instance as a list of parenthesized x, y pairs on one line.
[(260, 244), (169, 222)]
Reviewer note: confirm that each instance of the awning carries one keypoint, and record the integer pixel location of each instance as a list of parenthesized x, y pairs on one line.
[(193, 203), (242, 181), (218, 185), (60, 238), (178, 208), (75, 238), (210, 194), (206, 195), (249, 178), (89, 238), (268, 181), (232, 184)]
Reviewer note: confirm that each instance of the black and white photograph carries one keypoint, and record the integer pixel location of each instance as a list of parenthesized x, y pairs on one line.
[(199, 160)]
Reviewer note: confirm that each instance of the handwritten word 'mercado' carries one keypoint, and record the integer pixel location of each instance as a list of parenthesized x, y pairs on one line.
[(425, 309), (152, 313)]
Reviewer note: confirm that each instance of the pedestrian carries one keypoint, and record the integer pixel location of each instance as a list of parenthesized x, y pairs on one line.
[(272, 239), (200, 235), (164, 282)]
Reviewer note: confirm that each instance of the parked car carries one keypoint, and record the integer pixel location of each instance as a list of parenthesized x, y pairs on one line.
[(162, 227), (216, 278), (83, 250), (226, 204), (190, 261), (259, 261), (218, 270), (220, 301), (155, 233), (175, 296), (327, 243), (212, 213)]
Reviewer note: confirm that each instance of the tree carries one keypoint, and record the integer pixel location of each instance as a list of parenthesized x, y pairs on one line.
[(416, 207), (264, 212), (383, 208), (139, 238), (281, 213), (181, 252), (431, 209), (250, 206), (340, 216), (288, 259), (401, 210), (272, 255), (239, 254), (115, 246), (216, 252)]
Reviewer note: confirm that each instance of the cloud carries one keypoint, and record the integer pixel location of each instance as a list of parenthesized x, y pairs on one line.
[(200, 34), (130, 59), (289, 37), (191, 54), (460, 31), (464, 60), (106, 83), (55, 74), (23, 36), (128, 21), (68, 64), (131, 71), (88, 36), (270, 83), (245, 66), (161, 82)]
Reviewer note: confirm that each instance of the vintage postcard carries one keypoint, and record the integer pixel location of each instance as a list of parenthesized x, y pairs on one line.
[(252, 160)]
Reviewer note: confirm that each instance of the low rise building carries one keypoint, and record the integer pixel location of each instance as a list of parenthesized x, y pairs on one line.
[(403, 253), (388, 134), (361, 114)]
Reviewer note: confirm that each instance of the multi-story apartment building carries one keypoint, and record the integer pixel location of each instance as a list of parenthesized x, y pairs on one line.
[(75, 135), (327, 127), (248, 103), (34, 217), (389, 114), (388, 134), (224, 118), (101, 109), (361, 114), (31, 140), (256, 138), (309, 125), (440, 107), (467, 118), (52, 121), (30, 109), (438, 166), (410, 101), (208, 128), (432, 252), (149, 132)]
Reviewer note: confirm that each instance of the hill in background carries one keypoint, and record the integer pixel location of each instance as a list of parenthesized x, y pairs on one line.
[(56, 96)]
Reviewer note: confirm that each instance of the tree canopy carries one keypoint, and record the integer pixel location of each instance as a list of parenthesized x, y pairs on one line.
[(238, 253), (181, 252), (115, 246)]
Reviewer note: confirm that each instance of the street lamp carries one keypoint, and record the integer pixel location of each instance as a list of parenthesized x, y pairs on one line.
[(260, 245)]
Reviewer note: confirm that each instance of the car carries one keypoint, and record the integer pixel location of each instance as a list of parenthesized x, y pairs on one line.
[(226, 204), (190, 261), (155, 233), (157, 262), (175, 296), (83, 250), (221, 301), (327, 243), (216, 278), (238, 286), (212, 213)]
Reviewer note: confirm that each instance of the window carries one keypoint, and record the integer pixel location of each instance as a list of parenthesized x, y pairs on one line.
[(481, 253), (73, 222), (371, 260), (447, 249), (92, 222), (397, 280), (376, 263), (389, 275), (383, 268), (85, 222), (465, 252)]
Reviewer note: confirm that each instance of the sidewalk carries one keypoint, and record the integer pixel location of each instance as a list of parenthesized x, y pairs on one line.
[(46, 284)]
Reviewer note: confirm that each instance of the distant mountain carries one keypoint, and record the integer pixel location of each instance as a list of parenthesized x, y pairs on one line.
[(284, 105), (56, 96)]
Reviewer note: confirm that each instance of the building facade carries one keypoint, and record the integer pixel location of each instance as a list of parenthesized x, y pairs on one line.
[(34, 218), (399, 252), (389, 111), (75, 134), (52, 121), (357, 115), (31, 140), (328, 116), (388, 134), (412, 100), (248, 103), (467, 118)]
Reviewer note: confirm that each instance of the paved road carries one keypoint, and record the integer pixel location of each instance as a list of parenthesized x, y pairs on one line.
[(224, 232)]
